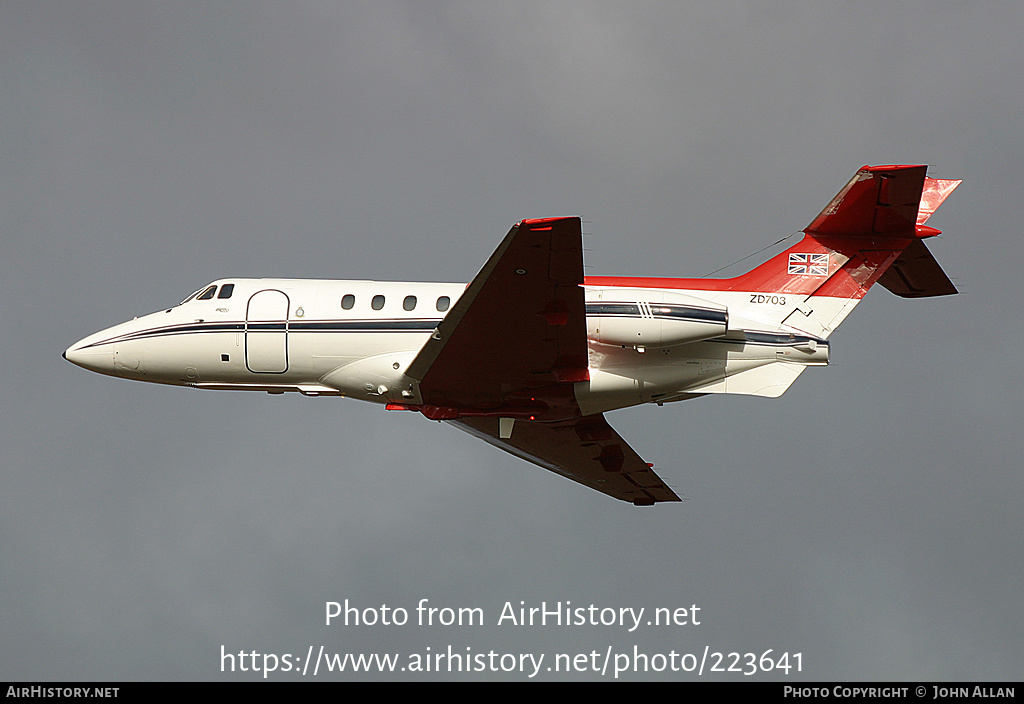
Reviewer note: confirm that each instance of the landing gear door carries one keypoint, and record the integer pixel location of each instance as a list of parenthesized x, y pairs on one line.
[(266, 332)]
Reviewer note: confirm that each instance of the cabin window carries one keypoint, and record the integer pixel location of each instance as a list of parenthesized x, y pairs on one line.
[(226, 290), (377, 303), (409, 303), (207, 294), (442, 303), (347, 301)]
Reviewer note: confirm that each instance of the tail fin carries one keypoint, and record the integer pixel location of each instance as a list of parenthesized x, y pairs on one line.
[(872, 231)]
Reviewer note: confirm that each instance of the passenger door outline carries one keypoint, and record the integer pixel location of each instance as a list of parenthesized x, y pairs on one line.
[(266, 332)]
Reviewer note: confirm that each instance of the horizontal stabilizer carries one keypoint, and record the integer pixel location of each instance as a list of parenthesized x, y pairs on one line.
[(916, 274)]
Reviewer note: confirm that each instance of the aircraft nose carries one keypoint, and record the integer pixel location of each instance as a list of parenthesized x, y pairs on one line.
[(98, 358)]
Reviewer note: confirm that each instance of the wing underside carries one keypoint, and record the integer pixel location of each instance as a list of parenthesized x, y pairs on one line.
[(510, 352), (586, 450)]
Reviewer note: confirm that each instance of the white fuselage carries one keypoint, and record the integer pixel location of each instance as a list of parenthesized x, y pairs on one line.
[(531, 353), (357, 338)]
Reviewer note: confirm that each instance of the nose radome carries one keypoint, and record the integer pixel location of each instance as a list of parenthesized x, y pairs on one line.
[(98, 359)]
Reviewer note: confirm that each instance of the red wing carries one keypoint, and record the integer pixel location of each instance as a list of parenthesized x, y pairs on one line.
[(519, 327), (878, 200), (585, 449)]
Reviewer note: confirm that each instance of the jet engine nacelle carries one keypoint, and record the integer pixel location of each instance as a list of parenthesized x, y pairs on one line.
[(646, 318)]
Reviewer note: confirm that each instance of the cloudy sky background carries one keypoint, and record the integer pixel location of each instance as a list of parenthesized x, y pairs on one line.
[(868, 519)]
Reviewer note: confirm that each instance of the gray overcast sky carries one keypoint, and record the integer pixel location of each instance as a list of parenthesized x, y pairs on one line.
[(868, 519)]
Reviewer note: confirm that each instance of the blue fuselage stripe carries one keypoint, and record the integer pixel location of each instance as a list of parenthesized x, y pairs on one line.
[(398, 325)]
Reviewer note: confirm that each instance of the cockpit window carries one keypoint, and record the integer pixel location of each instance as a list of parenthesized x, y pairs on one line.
[(207, 294), (191, 296), (226, 290)]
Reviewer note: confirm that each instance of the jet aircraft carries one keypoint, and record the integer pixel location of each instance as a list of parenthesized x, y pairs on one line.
[(530, 355)]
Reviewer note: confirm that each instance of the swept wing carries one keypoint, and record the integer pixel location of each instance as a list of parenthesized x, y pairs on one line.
[(585, 449), (512, 347)]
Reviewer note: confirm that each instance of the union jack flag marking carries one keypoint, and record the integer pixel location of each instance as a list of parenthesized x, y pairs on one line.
[(813, 264)]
